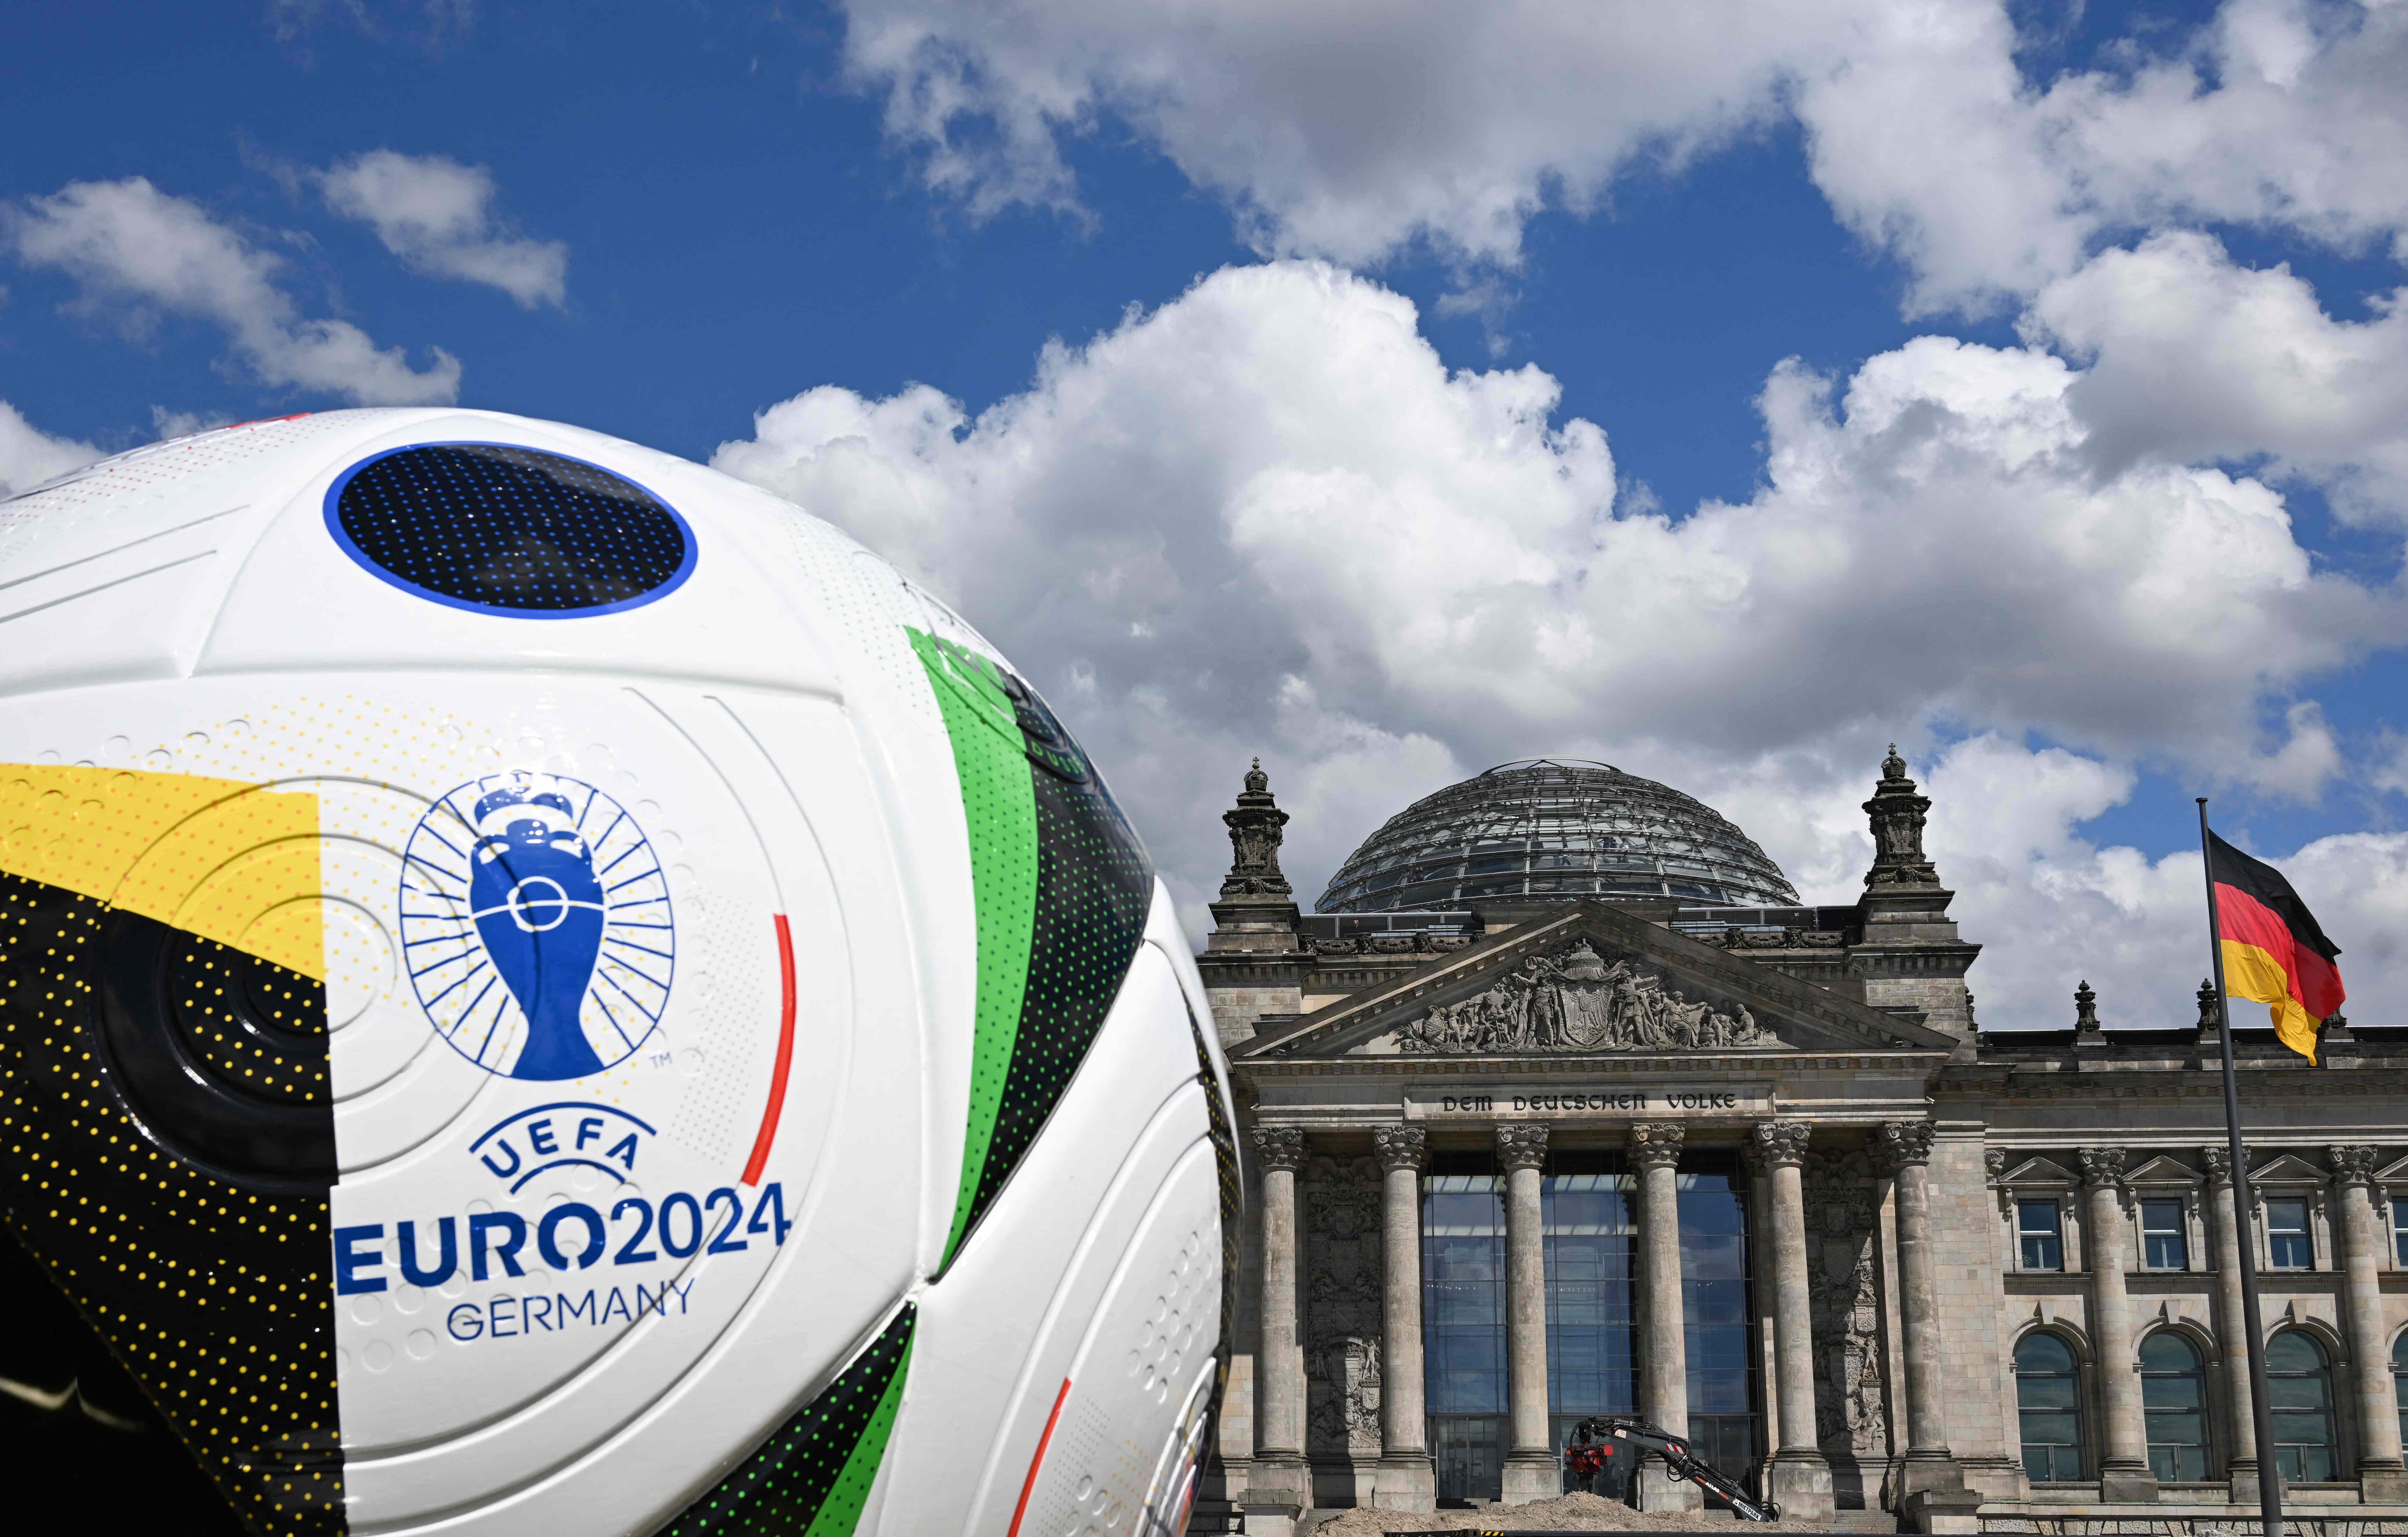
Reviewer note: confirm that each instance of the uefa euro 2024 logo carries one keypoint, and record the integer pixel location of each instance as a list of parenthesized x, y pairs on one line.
[(537, 919)]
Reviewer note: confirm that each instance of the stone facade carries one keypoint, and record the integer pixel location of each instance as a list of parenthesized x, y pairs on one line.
[(1919, 1200)]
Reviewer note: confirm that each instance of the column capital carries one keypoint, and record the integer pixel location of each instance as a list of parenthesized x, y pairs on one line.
[(2218, 1161), (1402, 1146), (2102, 1166), (1279, 1147), (1904, 1142), (2352, 1163), (1522, 1145), (1655, 1144), (1783, 1142)]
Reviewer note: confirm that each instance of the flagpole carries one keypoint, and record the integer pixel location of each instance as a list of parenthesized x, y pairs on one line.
[(2244, 1217)]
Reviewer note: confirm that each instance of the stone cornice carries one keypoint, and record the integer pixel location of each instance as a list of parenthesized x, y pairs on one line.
[(1786, 996), (1702, 1065)]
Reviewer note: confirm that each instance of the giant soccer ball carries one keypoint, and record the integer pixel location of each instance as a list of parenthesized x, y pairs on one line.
[(543, 988)]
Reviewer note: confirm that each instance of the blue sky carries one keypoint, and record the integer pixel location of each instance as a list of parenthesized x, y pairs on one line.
[(1723, 398)]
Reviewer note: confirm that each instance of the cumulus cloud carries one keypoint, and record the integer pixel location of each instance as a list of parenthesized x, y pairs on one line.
[(1351, 131), (439, 217), (2192, 357), (1271, 520), (2057, 908), (139, 254), (29, 456)]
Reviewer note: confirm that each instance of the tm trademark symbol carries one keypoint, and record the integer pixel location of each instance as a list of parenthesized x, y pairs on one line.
[(662, 1059)]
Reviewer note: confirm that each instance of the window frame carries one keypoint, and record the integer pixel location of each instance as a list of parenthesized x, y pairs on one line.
[(2306, 1231), (2337, 1419), (2078, 1372), (2181, 1202), (2209, 1444), (2054, 1234)]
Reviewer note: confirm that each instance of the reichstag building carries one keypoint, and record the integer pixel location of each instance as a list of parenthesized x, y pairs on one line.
[(1559, 1102)]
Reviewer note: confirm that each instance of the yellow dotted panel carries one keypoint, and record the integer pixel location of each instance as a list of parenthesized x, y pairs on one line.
[(213, 1297), (217, 857)]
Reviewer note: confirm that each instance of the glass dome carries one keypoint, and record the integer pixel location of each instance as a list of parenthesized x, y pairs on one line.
[(1540, 828)]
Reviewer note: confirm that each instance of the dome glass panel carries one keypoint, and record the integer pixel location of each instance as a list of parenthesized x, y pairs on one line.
[(1562, 829)]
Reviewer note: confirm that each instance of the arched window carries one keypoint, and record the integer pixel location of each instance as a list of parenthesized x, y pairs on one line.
[(2048, 1391), (2298, 1384), (2400, 1372), (2173, 1394)]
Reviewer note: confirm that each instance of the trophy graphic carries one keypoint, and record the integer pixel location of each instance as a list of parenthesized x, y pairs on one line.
[(537, 905)]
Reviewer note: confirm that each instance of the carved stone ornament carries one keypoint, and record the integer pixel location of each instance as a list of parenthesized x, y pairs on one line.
[(1342, 1305), (1655, 1144), (1995, 1160), (1577, 1000), (2218, 1161), (1402, 1146), (1522, 1146), (1844, 1294), (2352, 1164), (1782, 1141), (1279, 1147), (1254, 837), (1904, 1142), (1896, 813), (2101, 1165)]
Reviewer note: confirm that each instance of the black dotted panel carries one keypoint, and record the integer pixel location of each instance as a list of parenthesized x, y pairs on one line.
[(503, 527), (214, 1297), (1093, 886), (260, 1029), (781, 1489)]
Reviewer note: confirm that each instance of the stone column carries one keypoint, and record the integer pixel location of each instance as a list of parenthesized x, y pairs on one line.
[(1407, 1480), (2379, 1467), (1800, 1482), (1531, 1471), (2231, 1329), (1906, 1147), (1663, 1340), (2124, 1465), (1279, 1475)]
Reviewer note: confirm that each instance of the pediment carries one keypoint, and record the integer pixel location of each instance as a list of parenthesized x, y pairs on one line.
[(1595, 980), (2039, 1171), (2162, 1170), (2286, 1169), (2393, 1174)]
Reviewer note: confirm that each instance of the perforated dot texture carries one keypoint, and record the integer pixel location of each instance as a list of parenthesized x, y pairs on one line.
[(492, 525)]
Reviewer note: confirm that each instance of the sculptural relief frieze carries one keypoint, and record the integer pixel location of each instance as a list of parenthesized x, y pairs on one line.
[(1576, 1001)]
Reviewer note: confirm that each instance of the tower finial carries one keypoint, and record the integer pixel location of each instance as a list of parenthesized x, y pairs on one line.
[(1896, 813), (1254, 840)]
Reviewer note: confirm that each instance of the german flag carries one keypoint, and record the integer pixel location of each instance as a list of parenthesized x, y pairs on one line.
[(2273, 951)]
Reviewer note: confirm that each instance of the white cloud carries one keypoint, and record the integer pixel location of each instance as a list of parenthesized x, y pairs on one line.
[(1354, 129), (2056, 908), (1339, 130), (139, 254), (438, 217), (2193, 357), (29, 456), (1274, 478)]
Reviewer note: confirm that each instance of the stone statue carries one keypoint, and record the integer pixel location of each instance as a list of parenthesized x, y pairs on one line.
[(1254, 835)]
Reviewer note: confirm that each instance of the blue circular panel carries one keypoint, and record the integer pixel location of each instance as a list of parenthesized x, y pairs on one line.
[(499, 527)]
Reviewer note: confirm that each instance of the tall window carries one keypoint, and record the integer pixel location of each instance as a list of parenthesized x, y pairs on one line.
[(2400, 1373), (2173, 1395), (2048, 1393), (2042, 1233), (2299, 1388), (1719, 1324), (2288, 1247), (1463, 1322), (2400, 1232), (1592, 1365), (2163, 1242)]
